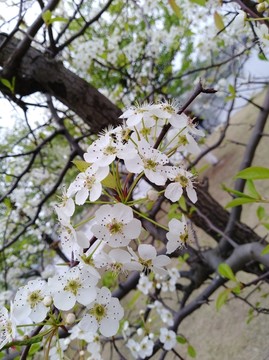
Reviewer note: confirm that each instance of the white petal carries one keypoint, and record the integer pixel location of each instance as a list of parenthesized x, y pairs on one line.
[(81, 196), (147, 252), (86, 296), (133, 229), (64, 300), (161, 260), (173, 192), (109, 327), (191, 193)]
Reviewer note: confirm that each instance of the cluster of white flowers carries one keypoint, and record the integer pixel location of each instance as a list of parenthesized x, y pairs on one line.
[(113, 240)]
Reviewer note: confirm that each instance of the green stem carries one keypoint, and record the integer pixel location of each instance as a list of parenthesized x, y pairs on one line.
[(144, 216)]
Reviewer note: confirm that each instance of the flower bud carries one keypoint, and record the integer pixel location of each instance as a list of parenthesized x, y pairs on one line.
[(261, 7), (47, 301), (70, 319), (153, 195), (140, 332)]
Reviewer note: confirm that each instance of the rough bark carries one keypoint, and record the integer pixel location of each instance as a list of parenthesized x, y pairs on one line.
[(38, 73)]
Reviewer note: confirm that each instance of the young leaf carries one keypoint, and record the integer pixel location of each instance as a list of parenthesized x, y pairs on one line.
[(181, 339), (252, 189), (260, 212), (225, 271), (218, 21), (235, 192), (81, 165), (191, 351), (222, 298), (46, 16), (110, 182), (254, 173), (240, 201), (265, 250), (266, 225)]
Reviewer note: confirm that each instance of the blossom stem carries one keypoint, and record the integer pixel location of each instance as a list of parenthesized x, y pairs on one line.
[(144, 216)]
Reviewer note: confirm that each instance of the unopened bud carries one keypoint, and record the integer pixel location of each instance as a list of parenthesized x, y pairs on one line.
[(47, 301), (153, 195), (140, 332), (261, 7), (70, 319)]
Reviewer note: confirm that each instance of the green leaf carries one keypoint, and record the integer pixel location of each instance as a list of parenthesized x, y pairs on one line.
[(265, 250), (34, 348), (58, 18), (232, 91), (266, 225), (235, 192), (175, 8), (46, 16), (191, 351), (199, 2), (222, 298), (254, 173), (225, 271), (218, 21), (181, 339), (81, 165), (110, 182), (240, 201), (252, 189), (260, 212)]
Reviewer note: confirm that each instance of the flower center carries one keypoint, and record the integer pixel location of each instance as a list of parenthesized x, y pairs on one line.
[(73, 285), (90, 180), (34, 298), (150, 164), (115, 227), (182, 180), (182, 140), (110, 150), (98, 311), (168, 108)]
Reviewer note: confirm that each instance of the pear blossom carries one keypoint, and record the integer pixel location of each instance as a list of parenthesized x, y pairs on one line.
[(182, 179), (149, 160), (183, 140), (104, 314), (165, 315), (134, 347), (115, 225), (7, 326), (74, 285), (106, 148), (168, 338), (147, 113), (66, 204), (144, 284), (72, 241), (177, 235), (117, 260), (88, 184), (146, 347), (28, 301), (148, 260)]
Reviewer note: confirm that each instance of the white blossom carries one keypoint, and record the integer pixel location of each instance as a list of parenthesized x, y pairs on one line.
[(7, 326), (168, 338), (74, 285), (181, 179), (177, 235), (88, 184), (28, 301), (104, 314), (148, 260), (115, 225)]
